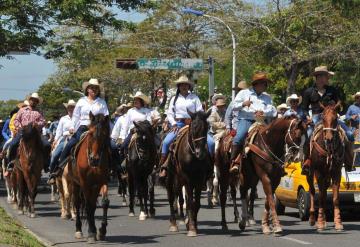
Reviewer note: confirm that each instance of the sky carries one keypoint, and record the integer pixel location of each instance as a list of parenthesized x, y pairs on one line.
[(24, 74)]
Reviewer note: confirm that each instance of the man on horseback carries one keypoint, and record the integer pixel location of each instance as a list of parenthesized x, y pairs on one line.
[(317, 96), (353, 113), (61, 136), (25, 116), (253, 104), (91, 102), (178, 117), (216, 120)]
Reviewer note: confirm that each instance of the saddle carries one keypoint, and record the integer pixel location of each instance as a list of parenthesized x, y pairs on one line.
[(227, 143), (76, 149), (132, 140), (174, 147), (253, 131)]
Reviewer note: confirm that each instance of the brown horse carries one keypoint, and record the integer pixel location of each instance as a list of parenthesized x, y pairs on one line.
[(91, 174), (28, 168), (264, 161), (327, 152), (190, 166)]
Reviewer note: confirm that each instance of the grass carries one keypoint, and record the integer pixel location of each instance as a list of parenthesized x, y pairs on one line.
[(13, 233)]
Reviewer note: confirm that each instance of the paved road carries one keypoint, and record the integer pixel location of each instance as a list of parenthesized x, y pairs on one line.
[(128, 231)]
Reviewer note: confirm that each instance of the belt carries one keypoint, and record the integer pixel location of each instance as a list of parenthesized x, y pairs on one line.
[(181, 119)]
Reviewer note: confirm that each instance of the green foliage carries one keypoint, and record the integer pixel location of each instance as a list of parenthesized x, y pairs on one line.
[(6, 107)]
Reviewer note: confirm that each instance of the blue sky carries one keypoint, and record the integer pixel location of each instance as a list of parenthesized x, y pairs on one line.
[(24, 74)]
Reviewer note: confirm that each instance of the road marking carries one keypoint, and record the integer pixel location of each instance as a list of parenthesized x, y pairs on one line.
[(296, 240)]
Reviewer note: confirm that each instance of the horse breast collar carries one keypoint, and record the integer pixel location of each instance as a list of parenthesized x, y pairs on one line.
[(253, 131)]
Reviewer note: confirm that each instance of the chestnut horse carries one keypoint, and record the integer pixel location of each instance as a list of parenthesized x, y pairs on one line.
[(190, 166), (327, 154), (91, 174), (28, 168), (264, 161)]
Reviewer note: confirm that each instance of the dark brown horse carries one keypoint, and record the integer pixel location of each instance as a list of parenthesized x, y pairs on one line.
[(327, 152), (190, 166), (91, 174), (28, 168), (140, 165), (264, 161)]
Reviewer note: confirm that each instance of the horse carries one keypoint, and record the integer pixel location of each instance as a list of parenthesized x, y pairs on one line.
[(327, 154), (90, 175), (264, 161), (28, 166), (122, 187), (190, 165), (140, 165)]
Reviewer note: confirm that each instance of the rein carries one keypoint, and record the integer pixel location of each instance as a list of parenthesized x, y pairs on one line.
[(193, 141)]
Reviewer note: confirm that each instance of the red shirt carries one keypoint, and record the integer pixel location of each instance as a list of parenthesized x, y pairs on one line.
[(27, 115)]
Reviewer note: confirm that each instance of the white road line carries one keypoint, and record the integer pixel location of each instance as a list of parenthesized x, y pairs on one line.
[(296, 240)]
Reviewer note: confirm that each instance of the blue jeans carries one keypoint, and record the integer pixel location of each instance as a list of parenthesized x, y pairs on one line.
[(54, 162), (170, 137), (242, 131), (316, 118)]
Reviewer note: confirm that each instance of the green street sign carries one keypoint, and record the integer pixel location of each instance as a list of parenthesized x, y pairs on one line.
[(170, 64)]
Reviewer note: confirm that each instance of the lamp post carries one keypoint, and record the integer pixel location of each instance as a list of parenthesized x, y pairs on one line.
[(200, 13), (69, 90)]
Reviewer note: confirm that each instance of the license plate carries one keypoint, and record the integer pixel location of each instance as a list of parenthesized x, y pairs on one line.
[(357, 197)]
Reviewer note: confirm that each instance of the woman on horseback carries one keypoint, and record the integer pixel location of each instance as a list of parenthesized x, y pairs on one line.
[(252, 103), (62, 135), (178, 117), (80, 120)]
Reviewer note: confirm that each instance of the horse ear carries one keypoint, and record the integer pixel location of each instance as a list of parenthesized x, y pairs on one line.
[(338, 105), (191, 114), (92, 117), (107, 118)]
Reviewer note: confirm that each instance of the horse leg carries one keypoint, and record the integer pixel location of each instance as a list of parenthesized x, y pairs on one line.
[(63, 202), (337, 217), (142, 195), (265, 219), (152, 197), (171, 198), (21, 193), (310, 180), (105, 206), (90, 202), (233, 197), (215, 194), (209, 189), (321, 222), (191, 211), (53, 191), (223, 196), (131, 195), (251, 207), (77, 203), (181, 206), (197, 205), (244, 207)]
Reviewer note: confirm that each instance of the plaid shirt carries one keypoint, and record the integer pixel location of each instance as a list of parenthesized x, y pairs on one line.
[(28, 115)]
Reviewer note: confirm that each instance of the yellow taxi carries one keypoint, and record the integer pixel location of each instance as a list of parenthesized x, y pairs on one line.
[(293, 190)]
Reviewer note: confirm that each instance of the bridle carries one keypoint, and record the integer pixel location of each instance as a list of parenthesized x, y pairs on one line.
[(193, 141)]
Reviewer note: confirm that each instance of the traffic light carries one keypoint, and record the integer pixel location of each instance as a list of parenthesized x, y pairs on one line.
[(126, 64)]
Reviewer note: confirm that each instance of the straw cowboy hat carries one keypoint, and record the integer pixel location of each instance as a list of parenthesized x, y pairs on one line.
[(220, 102), (241, 85), (21, 105), (356, 95), (26, 102), (322, 70), (69, 103), (184, 79), (35, 96), (120, 109), (216, 97), (92, 82), (260, 76), (293, 97), (142, 96), (282, 106)]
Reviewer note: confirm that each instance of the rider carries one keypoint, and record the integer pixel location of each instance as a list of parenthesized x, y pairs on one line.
[(252, 103), (80, 120), (231, 119), (178, 117), (61, 136), (322, 93), (216, 120), (27, 115), (281, 109), (294, 101), (353, 112)]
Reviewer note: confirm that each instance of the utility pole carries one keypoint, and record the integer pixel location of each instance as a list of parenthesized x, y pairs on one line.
[(211, 62)]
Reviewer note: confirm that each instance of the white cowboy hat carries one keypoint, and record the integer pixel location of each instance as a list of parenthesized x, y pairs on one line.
[(35, 96), (69, 103), (282, 106), (220, 102), (142, 96), (26, 102), (322, 70), (184, 79), (293, 97), (216, 97), (356, 95), (241, 85), (93, 82)]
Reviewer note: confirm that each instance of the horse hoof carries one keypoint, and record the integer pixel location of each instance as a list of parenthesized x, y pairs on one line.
[(91, 240), (131, 215), (191, 234), (20, 212), (236, 220), (53, 199), (252, 222), (224, 228), (266, 230), (181, 222), (173, 229), (63, 216), (78, 235), (100, 236), (312, 223), (124, 204), (142, 216), (242, 225), (277, 231), (32, 215)]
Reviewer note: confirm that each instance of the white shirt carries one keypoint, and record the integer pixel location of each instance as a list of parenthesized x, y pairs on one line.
[(63, 127), (115, 133), (134, 115), (183, 104), (83, 108)]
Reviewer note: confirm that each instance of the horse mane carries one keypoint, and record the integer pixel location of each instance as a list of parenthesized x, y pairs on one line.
[(145, 127), (31, 133)]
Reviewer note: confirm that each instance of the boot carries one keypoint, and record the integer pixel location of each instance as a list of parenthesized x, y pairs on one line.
[(349, 156), (236, 159), (163, 166), (57, 172), (305, 170)]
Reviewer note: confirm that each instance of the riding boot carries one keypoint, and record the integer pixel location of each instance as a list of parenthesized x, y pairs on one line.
[(236, 159), (163, 166), (305, 168), (57, 172), (349, 156)]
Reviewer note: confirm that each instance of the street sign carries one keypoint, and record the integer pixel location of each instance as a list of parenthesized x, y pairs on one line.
[(170, 64)]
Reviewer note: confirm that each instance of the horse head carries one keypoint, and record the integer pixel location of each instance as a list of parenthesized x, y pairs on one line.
[(31, 132), (330, 122), (145, 138), (198, 133), (295, 136)]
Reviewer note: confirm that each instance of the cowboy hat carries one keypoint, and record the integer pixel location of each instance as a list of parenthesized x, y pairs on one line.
[(26, 102), (293, 97), (69, 103), (35, 96), (356, 95), (21, 105), (241, 85), (260, 76), (322, 70), (92, 82), (142, 96), (216, 97), (220, 102), (184, 79), (282, 106), (120, 109)]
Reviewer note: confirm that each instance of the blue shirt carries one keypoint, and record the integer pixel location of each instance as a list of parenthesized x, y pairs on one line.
[(353, 110), (5, 132), (261, 102), (298, 113)]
